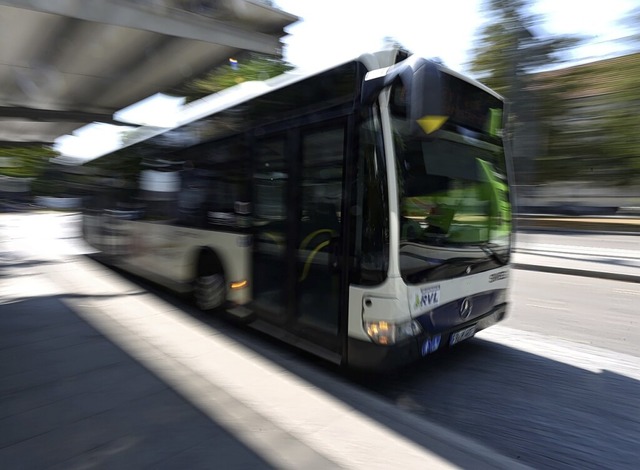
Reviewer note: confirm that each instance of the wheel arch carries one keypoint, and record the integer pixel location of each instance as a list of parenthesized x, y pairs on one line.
[(207, 261)]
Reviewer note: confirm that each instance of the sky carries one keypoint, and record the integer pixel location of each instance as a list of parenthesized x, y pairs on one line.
[(331, 31), (434, 28)]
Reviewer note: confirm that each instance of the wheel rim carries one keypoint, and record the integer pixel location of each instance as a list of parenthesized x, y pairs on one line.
[(209, 291)]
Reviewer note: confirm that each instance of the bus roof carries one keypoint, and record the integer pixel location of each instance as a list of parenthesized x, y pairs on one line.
[(246, 91)]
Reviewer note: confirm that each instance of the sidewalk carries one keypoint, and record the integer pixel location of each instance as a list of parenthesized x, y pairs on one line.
[(97, 372), (618, 265)]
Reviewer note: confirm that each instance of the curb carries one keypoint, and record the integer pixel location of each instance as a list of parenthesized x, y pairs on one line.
[(578, 272), (620, 225)]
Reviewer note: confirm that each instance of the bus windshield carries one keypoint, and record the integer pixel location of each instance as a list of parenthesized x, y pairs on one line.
[(455, 214)]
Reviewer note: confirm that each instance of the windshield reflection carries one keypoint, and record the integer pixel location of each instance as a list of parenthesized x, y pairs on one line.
[(455, 215)]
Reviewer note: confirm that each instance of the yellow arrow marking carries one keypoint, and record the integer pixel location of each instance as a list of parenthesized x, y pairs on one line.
[(432, 123)]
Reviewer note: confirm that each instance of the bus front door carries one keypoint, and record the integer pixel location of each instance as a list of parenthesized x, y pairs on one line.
[(319, 230), (297, 194)]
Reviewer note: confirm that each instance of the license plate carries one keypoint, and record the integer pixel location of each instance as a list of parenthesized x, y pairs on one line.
[(462, 335)]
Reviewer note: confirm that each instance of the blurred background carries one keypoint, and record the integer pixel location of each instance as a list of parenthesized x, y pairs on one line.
[(558, 386), (72, 90)]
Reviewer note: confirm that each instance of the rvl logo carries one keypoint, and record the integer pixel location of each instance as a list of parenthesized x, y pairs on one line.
[(428, 297)]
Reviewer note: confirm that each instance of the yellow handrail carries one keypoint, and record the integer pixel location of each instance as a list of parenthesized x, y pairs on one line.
[(310, 237), (307, 264)]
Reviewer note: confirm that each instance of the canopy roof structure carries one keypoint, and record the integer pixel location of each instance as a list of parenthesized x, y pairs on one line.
[(68, 63)]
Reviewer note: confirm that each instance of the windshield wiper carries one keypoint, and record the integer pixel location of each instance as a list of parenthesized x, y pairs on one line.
[(464, 264), (489, 249)]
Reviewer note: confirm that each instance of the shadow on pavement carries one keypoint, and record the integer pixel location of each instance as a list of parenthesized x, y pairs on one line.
[(70, 398)]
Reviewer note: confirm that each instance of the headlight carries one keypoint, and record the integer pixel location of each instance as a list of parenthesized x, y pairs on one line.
[(387, 333)]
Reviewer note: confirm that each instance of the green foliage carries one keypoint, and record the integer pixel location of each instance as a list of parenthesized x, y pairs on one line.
[(26, 162), (508, 53), (125, 164), (253, 67), (593, 122)]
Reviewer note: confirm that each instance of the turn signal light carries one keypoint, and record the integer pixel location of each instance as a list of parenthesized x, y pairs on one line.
[(239, 284)]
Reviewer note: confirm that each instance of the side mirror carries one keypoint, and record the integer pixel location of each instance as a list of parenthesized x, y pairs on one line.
[(420, 92)]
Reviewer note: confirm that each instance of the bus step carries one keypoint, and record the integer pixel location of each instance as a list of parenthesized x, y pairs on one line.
[(241, 313)]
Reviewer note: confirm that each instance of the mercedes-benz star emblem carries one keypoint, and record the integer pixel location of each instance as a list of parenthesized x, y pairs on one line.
[(465, 308)]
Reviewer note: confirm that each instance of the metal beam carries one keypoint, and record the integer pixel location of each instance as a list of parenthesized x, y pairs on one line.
[(71, 62), (50, 115), (34, 131), (21, 144), (179, 24)]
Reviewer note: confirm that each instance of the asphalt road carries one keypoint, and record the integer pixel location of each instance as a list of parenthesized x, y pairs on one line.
[(555, 386), (593, 311), (596, 312)]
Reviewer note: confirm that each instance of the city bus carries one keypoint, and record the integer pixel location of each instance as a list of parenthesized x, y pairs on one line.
[(361, 212)]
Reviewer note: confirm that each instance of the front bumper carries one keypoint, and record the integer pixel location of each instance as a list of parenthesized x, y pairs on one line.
[(367, 355)]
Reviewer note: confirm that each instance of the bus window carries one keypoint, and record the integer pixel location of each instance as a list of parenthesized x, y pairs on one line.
[(214, 184), (269, 190)]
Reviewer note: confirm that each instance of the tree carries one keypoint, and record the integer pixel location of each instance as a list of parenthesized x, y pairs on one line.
[(509, 49), (632, 23), (254, 67), (594, 120), (25, 162), (29, 163), (592, 117)]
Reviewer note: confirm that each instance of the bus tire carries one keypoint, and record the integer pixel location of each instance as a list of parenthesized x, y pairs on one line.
[(209, 290)]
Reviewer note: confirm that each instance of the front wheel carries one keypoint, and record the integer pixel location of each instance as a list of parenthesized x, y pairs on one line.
[(209, 291)]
